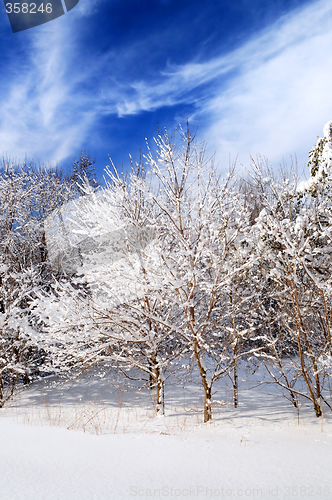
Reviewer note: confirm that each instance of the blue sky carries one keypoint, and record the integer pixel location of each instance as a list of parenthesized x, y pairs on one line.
[(255, 74)]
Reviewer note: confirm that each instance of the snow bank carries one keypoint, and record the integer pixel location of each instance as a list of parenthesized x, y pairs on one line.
[(40, 463)]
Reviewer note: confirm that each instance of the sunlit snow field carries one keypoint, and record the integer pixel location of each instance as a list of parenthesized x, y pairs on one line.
[(99, 438)]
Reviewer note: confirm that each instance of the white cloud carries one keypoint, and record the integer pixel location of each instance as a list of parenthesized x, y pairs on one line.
[(281, 98), (272, 95), (40, 116), (87, 7)]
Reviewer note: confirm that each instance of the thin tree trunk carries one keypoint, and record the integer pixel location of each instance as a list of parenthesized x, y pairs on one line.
[(235, 386), (318, 410), (302, 331), (234, 344), (206, 386), (1, 392), (160, 407), (207, 404), (156, 377)]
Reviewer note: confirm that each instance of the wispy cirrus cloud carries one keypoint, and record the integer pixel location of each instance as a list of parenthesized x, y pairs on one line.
[(280, 98), (270, 95), (44, 114)]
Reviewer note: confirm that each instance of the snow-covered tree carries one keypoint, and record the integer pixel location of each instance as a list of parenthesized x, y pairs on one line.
[(294, 253), (123, 315), (165, 266), (205, 255), (21, 357), (83, 171), (178, 262), (27, 194), (320, 156)]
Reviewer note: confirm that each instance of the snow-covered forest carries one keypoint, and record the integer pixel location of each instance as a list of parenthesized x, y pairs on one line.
[(169, 269)]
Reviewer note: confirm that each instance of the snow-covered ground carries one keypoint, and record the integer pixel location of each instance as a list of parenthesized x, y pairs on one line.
[(100, 439)]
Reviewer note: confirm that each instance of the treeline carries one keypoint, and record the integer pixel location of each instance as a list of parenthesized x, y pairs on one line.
[(174, 265)]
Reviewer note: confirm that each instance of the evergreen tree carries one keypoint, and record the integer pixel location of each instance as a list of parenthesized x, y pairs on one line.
[(84, 172)]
